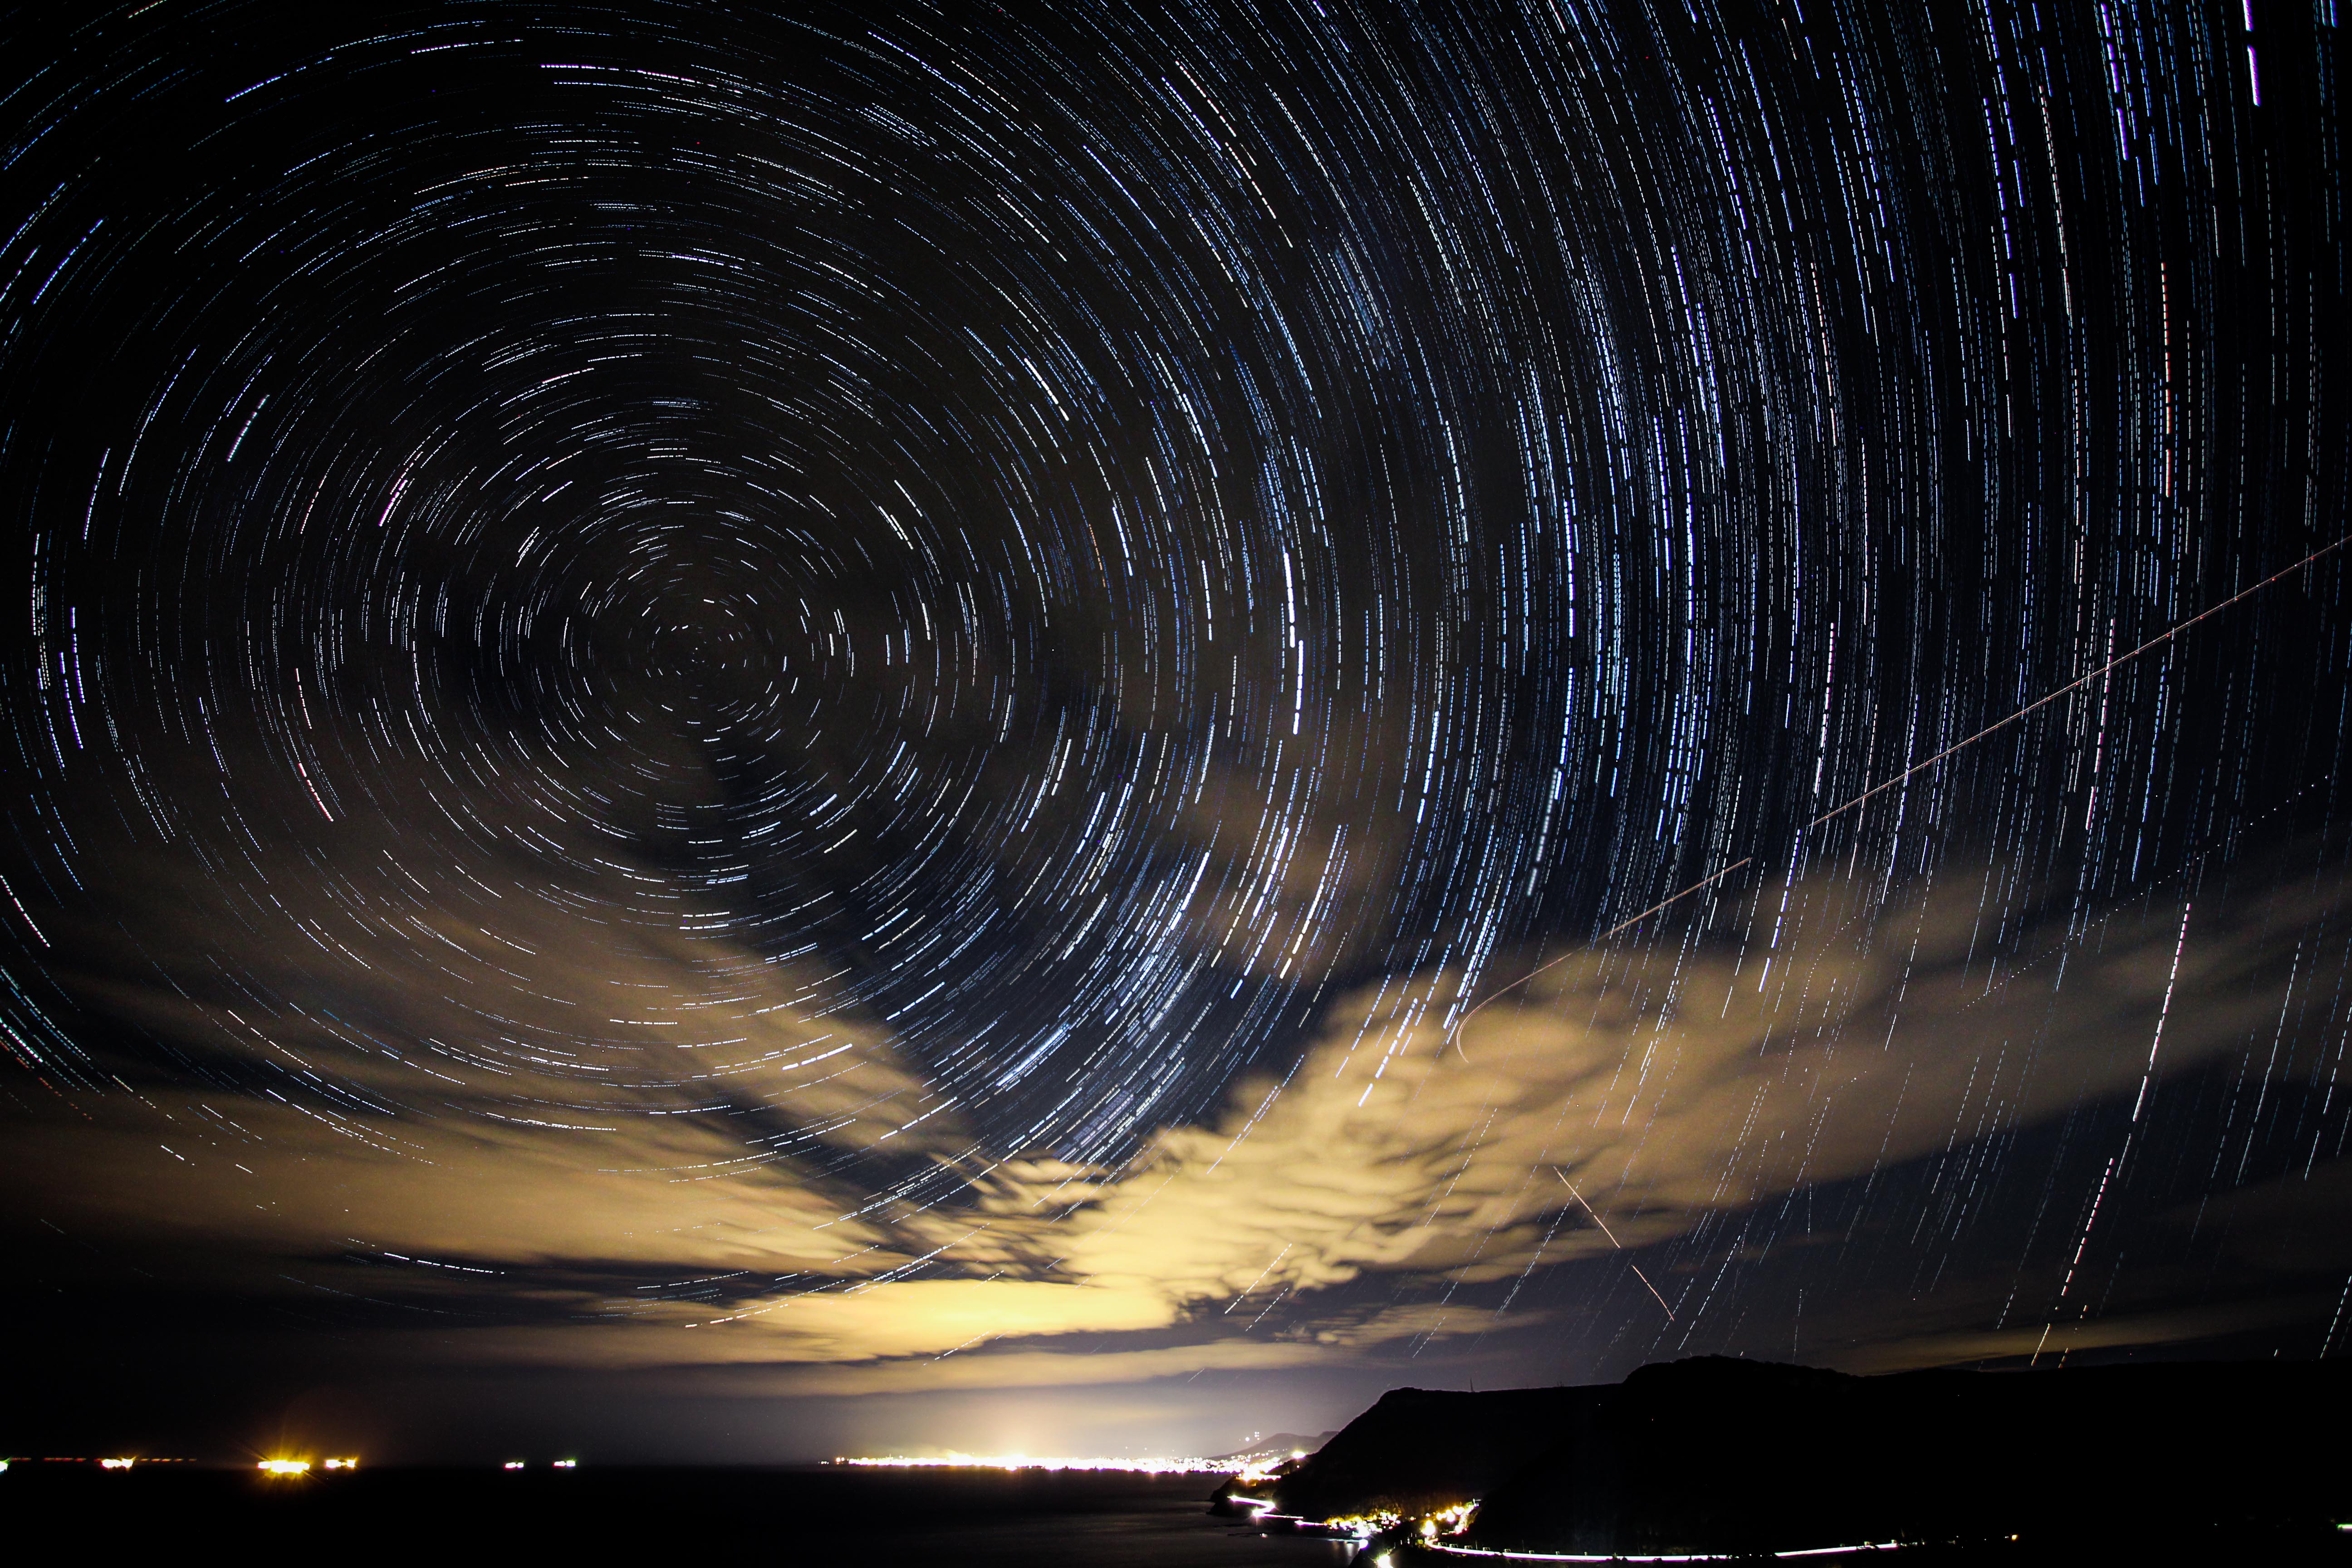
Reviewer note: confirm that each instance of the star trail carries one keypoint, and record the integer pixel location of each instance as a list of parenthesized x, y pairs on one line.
[(1126, 694)]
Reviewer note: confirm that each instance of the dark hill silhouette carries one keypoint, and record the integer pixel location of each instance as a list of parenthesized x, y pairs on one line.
[(1421, 1449), (1716, 1455), (1723, 1456)]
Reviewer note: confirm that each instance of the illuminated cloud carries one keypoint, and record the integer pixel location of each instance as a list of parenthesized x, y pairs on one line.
[(1664, 1086), (1025, 1369)]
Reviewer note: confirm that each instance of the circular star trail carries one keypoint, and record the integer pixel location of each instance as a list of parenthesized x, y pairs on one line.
[(941, 584)]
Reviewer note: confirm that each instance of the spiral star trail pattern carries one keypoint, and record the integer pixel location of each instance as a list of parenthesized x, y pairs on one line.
[(881, 682)]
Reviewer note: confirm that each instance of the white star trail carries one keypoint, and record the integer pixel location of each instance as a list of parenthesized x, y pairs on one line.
[(1055, 693)]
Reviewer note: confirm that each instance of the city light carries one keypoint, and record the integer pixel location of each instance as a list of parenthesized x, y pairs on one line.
[(285, 1466), (1364, 1526), (1451, 1520), (116, 1464)]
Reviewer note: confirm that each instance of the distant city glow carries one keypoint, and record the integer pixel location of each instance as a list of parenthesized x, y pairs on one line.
[(116, 1464), (285, 1466), (567, 1463), (343, 1464), (513, 1464), (1264, 1467), (1148, 1466)]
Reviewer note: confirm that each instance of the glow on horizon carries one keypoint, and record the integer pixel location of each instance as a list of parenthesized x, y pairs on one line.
[(1157, 1465)]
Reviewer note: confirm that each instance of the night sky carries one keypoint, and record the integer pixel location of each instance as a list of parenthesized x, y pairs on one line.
[(741, 731)]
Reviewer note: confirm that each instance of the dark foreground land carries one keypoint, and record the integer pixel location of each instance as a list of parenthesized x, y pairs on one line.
[(782, 1517), (1736, 1460), (1710, 1457)]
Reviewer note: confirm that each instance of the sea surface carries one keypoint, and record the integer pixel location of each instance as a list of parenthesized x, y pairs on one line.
[(817, 1517)]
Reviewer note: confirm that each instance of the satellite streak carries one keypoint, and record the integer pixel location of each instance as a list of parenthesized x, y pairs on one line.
[(1611, 1235), (1916, 768)]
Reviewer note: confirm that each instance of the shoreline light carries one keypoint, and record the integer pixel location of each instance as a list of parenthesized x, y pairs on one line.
[(285, 1466), (116, 1464)]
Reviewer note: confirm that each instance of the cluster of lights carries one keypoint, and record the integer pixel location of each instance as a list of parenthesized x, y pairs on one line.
[(1451, 1520), (1149, 1467), (299, 1466), (1364, 1526), (110, 1464)]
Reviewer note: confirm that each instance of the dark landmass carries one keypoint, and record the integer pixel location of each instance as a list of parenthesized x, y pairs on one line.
[(2107, 1464), (1418, 1450), (801, 1516)]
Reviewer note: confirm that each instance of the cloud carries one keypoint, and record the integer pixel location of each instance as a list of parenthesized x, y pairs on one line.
[(1030, 1369), (499, 1070), (1664, 1086), (524, 1013), (1425, 1322), (866, 1322), (670, 1194), (267, 1178), (2268, 1227), (2177, 1325)]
